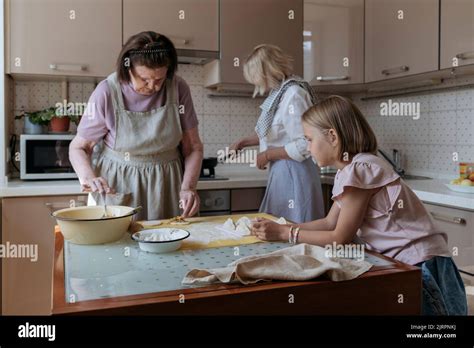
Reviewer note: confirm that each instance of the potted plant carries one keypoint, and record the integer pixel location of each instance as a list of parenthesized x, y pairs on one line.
[(34, 121), (59, 122)]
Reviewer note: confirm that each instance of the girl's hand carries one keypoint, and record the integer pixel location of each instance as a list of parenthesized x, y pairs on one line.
[(96, 184), (262, 160), (189, 201), (265, 229)]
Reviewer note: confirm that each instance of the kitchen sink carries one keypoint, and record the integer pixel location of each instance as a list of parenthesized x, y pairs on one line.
[(415, 177)]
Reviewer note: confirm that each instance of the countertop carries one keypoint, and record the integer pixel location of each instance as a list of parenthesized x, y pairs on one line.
[(242, 176)]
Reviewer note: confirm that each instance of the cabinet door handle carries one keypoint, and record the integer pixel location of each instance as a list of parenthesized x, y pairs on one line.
[(180, 40), (465, 55), (447, 218), (397, 70), (332, 78), (68, 67)]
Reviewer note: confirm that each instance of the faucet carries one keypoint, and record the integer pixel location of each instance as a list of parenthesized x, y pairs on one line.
[(395, 161)]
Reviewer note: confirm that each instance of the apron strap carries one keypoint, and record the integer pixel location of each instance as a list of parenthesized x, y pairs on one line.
[(117, 97), (170, 91)]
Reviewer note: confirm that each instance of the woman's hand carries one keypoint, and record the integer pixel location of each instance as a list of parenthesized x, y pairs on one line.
[(262, 160), (237, 146), (96, 184), (190, 202), (265, 229)]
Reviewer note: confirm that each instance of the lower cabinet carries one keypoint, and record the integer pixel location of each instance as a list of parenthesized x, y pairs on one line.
[(27, 281), (459, 226)]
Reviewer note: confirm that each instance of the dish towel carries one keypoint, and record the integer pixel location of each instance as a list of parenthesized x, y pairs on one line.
[(299, 262), (270, 105)]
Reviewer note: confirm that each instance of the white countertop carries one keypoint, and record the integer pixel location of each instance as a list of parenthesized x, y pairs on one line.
[(242, 176)]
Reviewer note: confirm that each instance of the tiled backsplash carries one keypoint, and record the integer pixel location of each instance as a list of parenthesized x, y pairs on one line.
[(428, 144), (445, 125), (222, 120)]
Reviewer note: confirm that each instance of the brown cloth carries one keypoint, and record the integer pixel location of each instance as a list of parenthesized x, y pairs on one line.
[(299, 262)]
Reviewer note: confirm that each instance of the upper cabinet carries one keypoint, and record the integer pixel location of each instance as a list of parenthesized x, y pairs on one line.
[(401, 38), (190, 24), (67, 37), (457, 33), (245, 24), (333, 41)]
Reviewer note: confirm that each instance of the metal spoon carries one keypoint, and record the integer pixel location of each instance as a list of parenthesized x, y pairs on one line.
[(104, 198)]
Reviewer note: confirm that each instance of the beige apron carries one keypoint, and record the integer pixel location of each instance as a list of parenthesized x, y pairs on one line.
[(145, 166)]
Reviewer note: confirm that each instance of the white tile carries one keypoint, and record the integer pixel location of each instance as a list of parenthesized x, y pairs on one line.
[(216, 106), (87, 89), (443, 101), (465, 98), (245, 106), (21, 96), (38, 96), (197, 94), (217, 129), (443, 127), (54, 93), (465, 127), (75, 92), (466, 153), (241, 126), (441, 159), (417, 157), (211, 150), (192, 74)]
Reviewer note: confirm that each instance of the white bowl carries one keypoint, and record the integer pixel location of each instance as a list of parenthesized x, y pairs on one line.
[(160, 240), (460, 188)]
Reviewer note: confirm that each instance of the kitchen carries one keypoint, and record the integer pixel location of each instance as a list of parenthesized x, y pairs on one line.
[(407, 65)]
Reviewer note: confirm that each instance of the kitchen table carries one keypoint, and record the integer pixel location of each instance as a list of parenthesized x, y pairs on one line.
[(119, 279)]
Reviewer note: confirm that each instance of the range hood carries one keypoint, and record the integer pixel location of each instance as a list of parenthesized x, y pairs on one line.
[(197, 57)]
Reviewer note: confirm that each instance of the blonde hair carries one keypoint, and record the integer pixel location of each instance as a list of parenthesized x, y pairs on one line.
[(342, 115), (267, 67)]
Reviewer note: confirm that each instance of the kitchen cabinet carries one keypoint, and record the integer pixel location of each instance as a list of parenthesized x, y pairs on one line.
[(327, 194), (459, 226), (247, 200), (26, 285), (401, 38), (333, 41), (190, 24), (457, 33), (245, 24), (67, 37)]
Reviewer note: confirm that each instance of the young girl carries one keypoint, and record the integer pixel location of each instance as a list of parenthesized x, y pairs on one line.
[(372, 203)]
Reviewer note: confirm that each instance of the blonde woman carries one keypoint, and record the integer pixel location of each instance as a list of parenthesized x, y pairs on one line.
[(294, 187)]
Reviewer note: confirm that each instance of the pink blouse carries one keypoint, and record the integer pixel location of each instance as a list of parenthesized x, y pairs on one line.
[(396, 223)]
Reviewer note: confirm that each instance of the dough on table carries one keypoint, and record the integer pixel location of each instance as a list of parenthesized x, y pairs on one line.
[(151, 223), (281, 221), (178, 220), (229, 224)]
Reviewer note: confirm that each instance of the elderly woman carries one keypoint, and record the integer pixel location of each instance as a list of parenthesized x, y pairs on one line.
[(294, 187), (145, 117)]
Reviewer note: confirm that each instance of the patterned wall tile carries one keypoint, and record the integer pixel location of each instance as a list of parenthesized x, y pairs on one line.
[(465, 127), (54, 93), (87, 89), (465, 99), (442, 127), (192, 74), (465, 153), (241, 126), (38, 96), (417, 157), (246, 106), (197, 94), (217, 129), (441, 159), (75, 92), (217, 106), (443, 101)]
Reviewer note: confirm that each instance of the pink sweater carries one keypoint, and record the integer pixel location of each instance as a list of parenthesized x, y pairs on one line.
[(396, 223)]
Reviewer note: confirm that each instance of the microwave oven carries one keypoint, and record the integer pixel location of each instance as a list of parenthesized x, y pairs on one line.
[(45, 156)]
